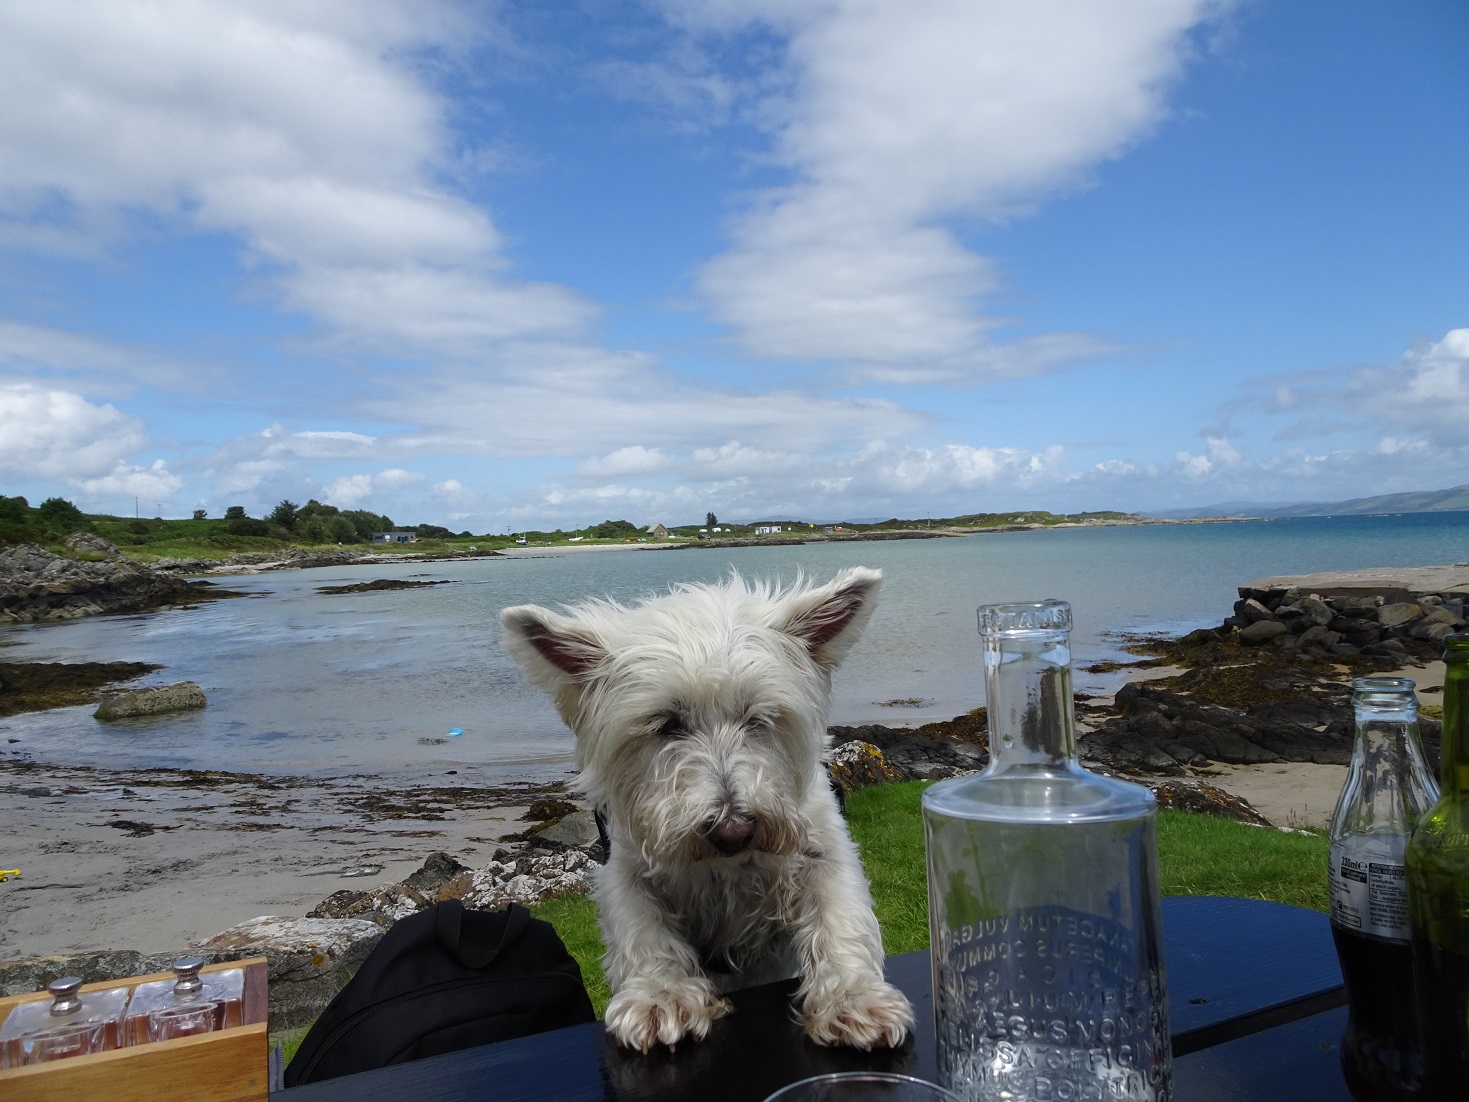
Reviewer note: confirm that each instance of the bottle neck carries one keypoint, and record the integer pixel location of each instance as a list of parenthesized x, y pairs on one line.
[(1027, 680), (1455, 746)]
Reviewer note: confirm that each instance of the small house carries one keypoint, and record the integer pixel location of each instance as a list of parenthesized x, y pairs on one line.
[(767, 529), (395, 537), (657, 531)]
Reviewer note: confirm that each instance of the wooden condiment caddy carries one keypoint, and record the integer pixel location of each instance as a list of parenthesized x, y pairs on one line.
[(229, 1065)]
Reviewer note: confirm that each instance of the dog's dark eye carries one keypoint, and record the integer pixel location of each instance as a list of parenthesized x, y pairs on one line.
[(668, 726), (760, 724)]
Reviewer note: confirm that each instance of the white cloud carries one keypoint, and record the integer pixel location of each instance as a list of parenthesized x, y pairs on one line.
[(152, 484), (47, 433), (358, 490), (304, 128), (895, 119), (568, 400), (1427, 393), (315, 444)]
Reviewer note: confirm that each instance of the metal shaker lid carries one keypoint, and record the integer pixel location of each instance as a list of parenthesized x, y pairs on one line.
[(64, 995)]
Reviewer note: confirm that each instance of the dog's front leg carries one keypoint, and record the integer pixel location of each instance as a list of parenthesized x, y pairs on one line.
[(659, 992), (844, 998)]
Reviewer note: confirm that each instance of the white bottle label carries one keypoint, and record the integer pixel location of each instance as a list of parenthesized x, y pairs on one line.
[(1369, 892)]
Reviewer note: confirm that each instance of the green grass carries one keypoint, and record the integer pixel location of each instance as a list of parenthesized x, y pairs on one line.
[(1197, 855)]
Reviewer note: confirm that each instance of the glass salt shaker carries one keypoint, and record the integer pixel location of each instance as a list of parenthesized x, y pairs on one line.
[(192, 1002), (73, 1023), (1044, 906)]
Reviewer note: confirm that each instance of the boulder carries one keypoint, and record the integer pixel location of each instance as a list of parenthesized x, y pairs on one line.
[(309, 959), (577, 830), (857, 764), (437, 870), (21, 977), (181, 696), (90, 543), (1253, 611), (524, 880), (1262, 631), (1395, 615), (1317, 610)]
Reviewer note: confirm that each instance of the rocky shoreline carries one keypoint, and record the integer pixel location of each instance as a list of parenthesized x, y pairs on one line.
[(38, 586)]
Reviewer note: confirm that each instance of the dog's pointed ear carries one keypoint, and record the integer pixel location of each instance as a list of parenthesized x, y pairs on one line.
[(830, 618), (553, 650)]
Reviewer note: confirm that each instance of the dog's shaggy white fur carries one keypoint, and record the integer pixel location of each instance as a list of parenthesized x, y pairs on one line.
[(700, 719)]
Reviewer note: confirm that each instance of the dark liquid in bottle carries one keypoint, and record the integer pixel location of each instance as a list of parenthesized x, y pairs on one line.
[(1380, 1055), (1444, 1013)]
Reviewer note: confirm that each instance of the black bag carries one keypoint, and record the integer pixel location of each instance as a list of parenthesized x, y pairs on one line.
[(443, 979)]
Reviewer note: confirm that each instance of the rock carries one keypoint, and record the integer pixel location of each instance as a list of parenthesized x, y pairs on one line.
[(525, 880), (91, 543), (1253, 611), (857, 764), (1317, 610), (343, 904), (181, 696), (1262, 631), (1395, 615), (21, 977), (437, 871), (36, 585), (309, 959), (577, 830), (1202, 798), (396, 901)]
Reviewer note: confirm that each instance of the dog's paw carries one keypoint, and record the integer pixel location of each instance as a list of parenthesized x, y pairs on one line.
[(871, 1017), (641, 1016)]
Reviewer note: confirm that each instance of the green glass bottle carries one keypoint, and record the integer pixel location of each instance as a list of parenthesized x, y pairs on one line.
[(1438, 897)]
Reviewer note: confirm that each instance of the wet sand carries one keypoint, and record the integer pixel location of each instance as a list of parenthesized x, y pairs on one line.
[(154, 859)]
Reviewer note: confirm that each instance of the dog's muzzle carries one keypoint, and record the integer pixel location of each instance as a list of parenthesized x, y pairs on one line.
[(730, 835)]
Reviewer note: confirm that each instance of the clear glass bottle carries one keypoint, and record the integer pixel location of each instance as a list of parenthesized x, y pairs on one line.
[(1388, 788), (1438, 898), (189, 1003), (1043, 896), (73, 1023)]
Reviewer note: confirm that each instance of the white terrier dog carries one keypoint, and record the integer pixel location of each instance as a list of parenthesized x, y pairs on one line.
[(700, 721)]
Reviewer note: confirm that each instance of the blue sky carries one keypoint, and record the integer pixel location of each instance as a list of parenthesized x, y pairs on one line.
[(540, 264)]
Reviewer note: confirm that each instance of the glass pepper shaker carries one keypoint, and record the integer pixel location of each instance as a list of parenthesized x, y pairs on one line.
[(1043, 896), (73, 1023), (192, 1002)]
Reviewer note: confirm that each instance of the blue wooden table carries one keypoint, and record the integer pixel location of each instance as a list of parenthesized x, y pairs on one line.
[(1255, 997)]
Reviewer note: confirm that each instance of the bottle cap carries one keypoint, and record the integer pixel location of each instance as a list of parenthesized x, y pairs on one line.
[(187, 971), (1025, 617), (64, 995)]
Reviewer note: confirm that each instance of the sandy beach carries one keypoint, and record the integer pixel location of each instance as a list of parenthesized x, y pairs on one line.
[(153, 860)]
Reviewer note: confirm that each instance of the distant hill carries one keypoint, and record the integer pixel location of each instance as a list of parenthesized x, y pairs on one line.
[(1417, 501)]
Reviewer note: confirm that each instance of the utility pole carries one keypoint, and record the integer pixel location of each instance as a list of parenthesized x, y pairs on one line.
[(135, 508)]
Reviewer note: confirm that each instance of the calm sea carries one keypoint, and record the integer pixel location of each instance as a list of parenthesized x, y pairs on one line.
[(298, 681)]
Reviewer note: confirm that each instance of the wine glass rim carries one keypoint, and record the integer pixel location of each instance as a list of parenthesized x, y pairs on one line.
[(860, 1076)]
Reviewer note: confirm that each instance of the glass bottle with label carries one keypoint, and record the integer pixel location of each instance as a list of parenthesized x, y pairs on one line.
[(1044, 907), (1388, 789), (1438, 897), (73, 1023), (189, 1003)]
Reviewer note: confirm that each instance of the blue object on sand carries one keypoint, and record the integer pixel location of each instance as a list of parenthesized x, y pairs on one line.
[(454, 732)]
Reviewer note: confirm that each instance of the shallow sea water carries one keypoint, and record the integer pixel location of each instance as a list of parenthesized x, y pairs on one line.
[(303, 682)]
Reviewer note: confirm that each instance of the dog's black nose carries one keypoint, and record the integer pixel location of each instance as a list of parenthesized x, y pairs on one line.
[(732, 835)]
